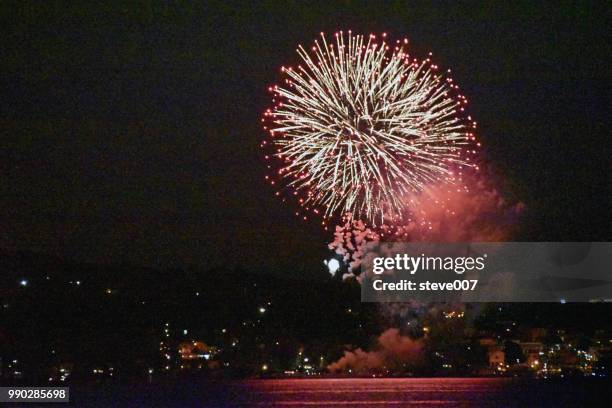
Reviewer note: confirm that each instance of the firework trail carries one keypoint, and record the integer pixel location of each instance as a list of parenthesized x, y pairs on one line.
[(360, 124)]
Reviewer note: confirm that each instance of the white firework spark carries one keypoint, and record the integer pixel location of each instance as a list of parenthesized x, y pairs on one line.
[(360, 125)]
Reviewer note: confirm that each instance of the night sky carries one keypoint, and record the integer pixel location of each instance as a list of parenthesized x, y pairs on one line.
[(130, 134)]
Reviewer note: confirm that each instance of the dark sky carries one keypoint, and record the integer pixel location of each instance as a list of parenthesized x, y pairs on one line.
[(131, 133)]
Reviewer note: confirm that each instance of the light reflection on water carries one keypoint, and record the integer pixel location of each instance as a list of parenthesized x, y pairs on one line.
[(363, 392), (373, 392), (459, 392)]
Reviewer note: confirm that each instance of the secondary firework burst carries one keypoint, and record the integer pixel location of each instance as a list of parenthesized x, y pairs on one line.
[(360, 125)]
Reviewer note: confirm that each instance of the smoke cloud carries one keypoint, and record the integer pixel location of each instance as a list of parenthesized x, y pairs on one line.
[(441, 213), (477, 212), (449, 214), (392, 352)]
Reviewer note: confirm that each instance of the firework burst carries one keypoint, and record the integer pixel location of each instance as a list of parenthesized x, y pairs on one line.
[(360, 124)]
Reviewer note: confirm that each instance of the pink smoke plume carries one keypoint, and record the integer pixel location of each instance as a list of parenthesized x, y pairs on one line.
[(392, 352), (441, 213), (444, 214)]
